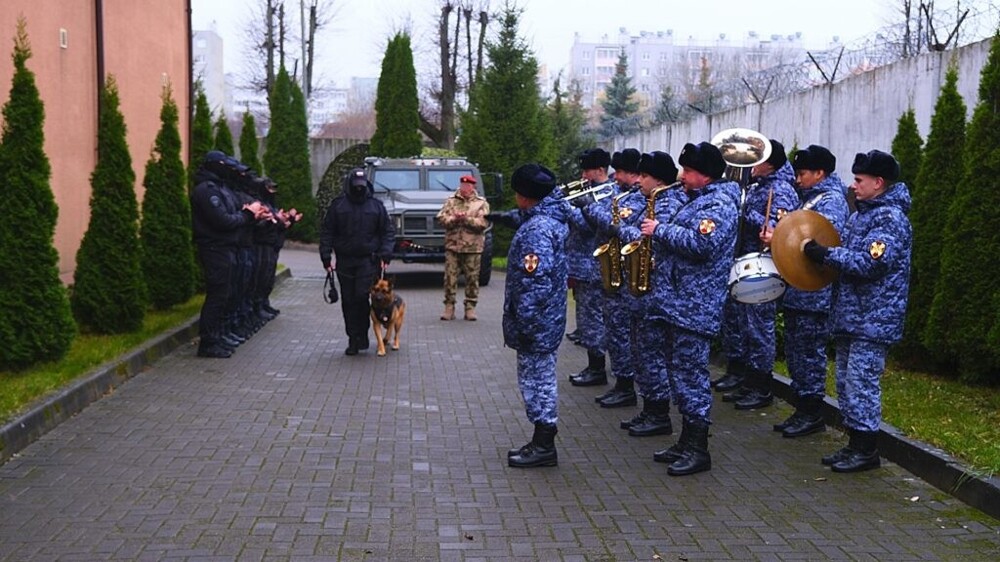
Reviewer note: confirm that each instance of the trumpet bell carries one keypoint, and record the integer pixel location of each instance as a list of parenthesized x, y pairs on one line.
[(742, 148), (786, 249)]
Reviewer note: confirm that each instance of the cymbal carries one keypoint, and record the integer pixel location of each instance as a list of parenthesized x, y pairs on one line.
[(787, 240)]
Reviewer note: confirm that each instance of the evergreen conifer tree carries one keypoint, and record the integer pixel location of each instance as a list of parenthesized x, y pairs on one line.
[(202, 138), (906, 147), (167, 251), (963, 311), (286, 159), (397, 117), (35, 320), (248, 143), (223, 136), (620, 109), (941, 170), (109, 292), (569, 120)]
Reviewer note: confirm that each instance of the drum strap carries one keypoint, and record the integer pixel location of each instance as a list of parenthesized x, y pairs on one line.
[(813, 202)]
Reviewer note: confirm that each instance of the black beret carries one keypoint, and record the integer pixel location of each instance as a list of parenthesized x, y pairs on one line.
[(703, 157), (626, 160), (533, 181), (876, 163), (594, 158), (659, 165), (814, 157), (778, 157), (215, 156)]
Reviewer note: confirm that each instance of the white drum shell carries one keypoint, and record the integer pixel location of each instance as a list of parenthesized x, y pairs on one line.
[(754, 279)]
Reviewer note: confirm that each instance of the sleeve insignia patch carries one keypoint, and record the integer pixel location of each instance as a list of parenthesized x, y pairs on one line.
[(707, 226), (877, 249), (530, 263), (625, 213), (781, 214)]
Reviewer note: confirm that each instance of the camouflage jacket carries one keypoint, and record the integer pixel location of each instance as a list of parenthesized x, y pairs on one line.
[(784, 199), (464, 234)]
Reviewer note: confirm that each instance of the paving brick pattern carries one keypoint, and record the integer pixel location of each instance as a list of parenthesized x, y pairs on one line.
[(291, 451)]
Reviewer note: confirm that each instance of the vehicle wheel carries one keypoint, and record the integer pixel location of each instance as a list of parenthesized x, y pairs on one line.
[(486, 261)]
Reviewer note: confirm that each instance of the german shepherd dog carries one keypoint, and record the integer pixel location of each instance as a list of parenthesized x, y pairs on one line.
[(388, 310)]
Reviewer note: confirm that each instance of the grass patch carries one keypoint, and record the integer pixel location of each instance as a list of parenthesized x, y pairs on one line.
[(21, 388), (961, 419), (499, 262)]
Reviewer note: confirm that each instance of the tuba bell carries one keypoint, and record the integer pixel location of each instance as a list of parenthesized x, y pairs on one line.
[(742, 149)]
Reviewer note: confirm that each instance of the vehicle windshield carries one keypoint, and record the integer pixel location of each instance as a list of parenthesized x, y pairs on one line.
[(445, 180), (396, 180)]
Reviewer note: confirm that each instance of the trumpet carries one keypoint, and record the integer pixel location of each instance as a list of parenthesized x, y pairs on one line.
[(598, 192), (574, 187)]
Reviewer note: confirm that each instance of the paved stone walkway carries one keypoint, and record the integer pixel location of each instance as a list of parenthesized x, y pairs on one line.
[(291, 451)]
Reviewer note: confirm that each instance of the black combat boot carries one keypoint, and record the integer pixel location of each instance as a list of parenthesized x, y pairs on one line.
[(634, 420), (807, 419), (760, 395), (540, 452), (656, 422), (595, 373), (621, 396), (864, 454), (695, 457), (733, 379), (212, 345), (573, 336), (843, 452), (674, 452)]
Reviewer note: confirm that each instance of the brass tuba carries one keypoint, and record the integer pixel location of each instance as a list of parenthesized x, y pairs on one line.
[(609, 254), (638, 255), (742, 149)]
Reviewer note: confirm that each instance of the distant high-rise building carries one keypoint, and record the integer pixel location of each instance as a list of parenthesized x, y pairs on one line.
[(206, 51)]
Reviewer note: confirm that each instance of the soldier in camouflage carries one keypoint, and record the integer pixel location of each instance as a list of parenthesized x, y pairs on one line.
[(534, 308), (748, 329), (869, 300), (807, 313), (464, 218), (693, 256)]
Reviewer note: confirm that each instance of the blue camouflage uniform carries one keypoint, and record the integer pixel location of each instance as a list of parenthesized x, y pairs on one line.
[(807, 313), (693, 252), (748, 329), (585, 274), (648, 343), (869, 301), (534, 309)]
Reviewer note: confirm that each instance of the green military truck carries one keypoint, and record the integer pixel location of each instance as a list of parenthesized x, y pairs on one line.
[(413, 191)]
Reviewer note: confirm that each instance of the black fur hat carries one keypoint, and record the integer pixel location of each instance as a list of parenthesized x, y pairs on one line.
[(659, 165), (778, 157), (626, 160), (533, 181), (876, 163), (703, 157), (814, 157), (594, 158)]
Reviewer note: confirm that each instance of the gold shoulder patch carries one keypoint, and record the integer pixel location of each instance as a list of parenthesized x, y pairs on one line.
[(877, 249), (625, 213), (781, 214), (530, 263), (707, 226)]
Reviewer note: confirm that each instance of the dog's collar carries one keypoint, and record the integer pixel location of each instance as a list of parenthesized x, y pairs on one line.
[(384, 314)]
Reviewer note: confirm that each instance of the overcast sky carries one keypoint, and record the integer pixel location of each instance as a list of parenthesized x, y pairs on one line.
[(354, 41)]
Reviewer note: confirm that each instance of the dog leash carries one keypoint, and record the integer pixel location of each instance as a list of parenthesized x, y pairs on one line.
[(330, 289)]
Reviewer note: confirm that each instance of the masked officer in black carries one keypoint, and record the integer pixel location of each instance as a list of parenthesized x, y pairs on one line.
[(217, 218), (359, 233)]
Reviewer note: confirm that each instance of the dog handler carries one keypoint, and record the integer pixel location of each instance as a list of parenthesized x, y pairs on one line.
[(359, 233)]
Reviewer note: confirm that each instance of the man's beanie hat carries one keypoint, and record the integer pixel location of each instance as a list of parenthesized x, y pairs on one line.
[(533, 181), (814, 157), (703, 157), (876, 163), (356, 177), (594, 158), (778, 157), (659, 165), (626, 160)]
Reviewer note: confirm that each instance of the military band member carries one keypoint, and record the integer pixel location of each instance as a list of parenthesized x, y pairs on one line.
[(748, 329), (585, 276), (807, 313), (698, 244), (656, 171), (534, 308), (869, 300)]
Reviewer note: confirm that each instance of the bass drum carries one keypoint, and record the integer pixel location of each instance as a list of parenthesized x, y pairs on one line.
[(754, 279)]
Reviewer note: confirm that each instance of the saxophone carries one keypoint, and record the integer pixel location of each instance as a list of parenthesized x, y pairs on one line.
[(638, 255), (609, 254)]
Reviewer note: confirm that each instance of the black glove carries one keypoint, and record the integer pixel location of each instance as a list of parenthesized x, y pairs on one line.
[(510, 219), (815, 251), (582, 201)]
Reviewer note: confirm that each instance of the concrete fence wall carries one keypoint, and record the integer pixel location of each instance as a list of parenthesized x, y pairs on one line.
[(854, 115)]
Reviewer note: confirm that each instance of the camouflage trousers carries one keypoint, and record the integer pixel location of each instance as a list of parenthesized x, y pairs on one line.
[(456, 263), (806, 336), (618, 335), (653, 377), (589, 297), (687, 365), (860, 364), (536, 378), (748, 333)]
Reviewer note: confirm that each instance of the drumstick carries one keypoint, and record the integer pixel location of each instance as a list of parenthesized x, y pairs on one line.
[(767, 211)]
